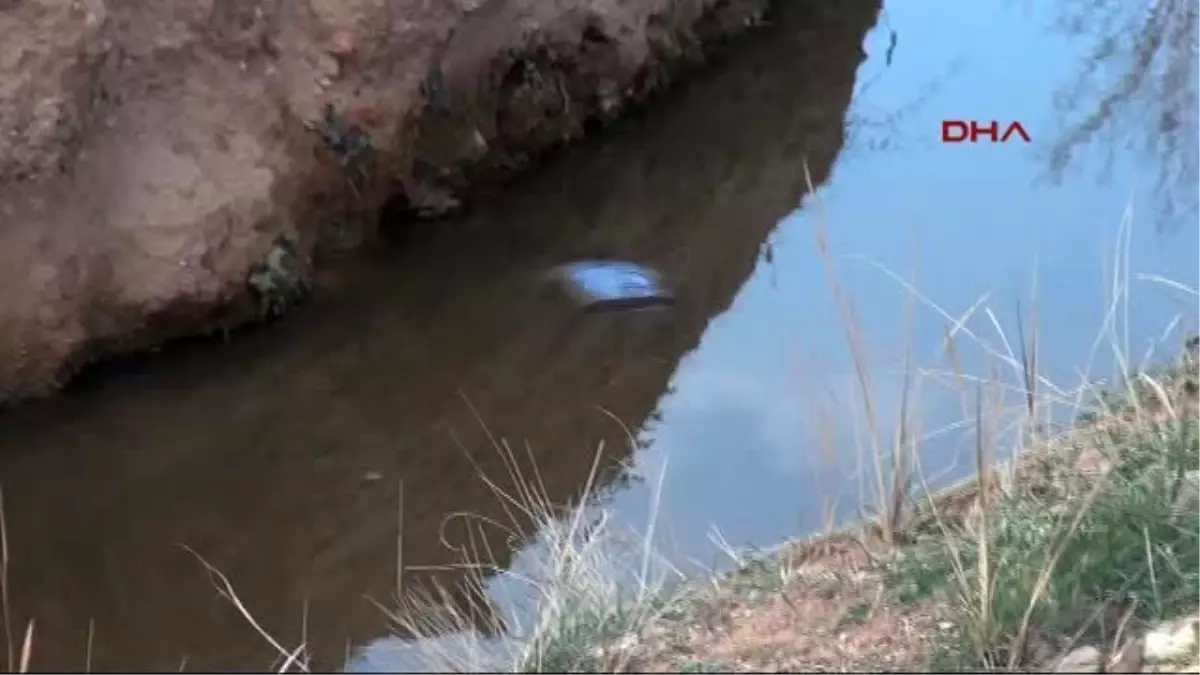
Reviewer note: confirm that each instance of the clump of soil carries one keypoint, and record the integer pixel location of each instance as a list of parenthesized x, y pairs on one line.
[(155, 154)]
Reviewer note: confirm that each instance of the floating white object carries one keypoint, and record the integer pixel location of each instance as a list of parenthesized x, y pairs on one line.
[(610, 285)]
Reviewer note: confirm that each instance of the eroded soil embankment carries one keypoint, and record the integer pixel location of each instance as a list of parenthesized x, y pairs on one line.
[(173, 167)]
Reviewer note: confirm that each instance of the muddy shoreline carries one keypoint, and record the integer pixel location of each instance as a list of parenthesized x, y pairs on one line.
[(185, 170)]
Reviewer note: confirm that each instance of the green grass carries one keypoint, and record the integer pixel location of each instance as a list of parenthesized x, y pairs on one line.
[(1061, 554)]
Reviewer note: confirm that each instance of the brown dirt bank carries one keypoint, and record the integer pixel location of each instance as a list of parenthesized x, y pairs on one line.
[(171, 167)]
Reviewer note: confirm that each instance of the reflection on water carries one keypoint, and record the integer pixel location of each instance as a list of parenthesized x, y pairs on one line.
[(1136, 85), (971, 221), (278, 457)]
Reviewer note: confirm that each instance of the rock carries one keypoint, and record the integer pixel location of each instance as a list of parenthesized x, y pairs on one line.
[(1173, 641), (152, 152), (1086, 659)]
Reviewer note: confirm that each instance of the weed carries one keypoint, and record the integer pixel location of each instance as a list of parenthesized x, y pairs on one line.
[(582, 617), (1047, 553), (855, 614), (348, 143), (1053, 557), (280, 281)]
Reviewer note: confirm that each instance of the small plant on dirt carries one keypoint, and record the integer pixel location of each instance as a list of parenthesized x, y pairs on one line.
[(350, 145), (279, 282), (759, 574)]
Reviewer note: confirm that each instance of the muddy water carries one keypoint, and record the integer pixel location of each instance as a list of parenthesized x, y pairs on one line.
[(279, 457)]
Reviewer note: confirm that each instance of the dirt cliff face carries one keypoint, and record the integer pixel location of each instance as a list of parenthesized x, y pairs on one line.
[(171, 166)]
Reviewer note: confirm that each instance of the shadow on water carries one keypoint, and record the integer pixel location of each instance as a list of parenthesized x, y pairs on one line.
[(278, 457)]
